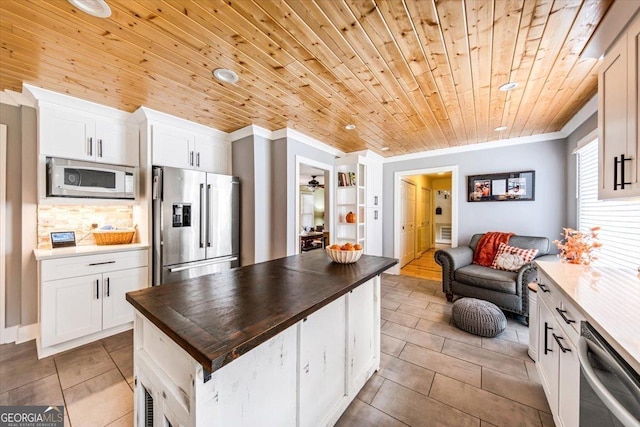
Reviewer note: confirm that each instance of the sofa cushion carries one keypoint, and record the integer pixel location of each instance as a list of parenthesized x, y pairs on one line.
[(511, 258), (488, 278)]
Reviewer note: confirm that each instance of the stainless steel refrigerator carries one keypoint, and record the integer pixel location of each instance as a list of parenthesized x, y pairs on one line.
[(196, 217)]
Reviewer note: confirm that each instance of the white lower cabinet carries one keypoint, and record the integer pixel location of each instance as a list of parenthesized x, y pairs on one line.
[(361, 332), (558, 364), (76, 307)]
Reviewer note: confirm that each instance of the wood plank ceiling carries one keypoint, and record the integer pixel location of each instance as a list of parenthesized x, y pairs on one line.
[(412, 75)]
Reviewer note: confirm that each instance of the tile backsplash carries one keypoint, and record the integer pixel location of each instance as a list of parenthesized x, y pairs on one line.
[(78, 218)]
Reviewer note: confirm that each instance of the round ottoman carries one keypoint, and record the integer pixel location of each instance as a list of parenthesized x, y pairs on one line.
[(478, 317)]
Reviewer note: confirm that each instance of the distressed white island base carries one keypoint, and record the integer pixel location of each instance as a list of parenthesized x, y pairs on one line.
[(289, 342), (306, 375)]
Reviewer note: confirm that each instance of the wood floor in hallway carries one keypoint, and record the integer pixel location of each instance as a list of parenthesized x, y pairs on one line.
[(423, 267)]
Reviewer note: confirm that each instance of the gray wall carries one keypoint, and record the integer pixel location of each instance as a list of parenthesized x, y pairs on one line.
[(21, 238), (572, 174), (543, 217), (243, 167)]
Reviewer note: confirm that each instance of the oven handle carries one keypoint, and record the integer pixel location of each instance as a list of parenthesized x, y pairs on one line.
[(619, 411)]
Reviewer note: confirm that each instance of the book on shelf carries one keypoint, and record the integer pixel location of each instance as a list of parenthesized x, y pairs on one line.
[(343, 179)]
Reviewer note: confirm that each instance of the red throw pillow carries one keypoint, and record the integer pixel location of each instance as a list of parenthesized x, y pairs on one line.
[(511, 258)]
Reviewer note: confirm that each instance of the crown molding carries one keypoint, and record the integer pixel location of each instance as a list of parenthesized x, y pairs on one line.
[(305, 139), (145, 113), (16, 99), (251, 130)]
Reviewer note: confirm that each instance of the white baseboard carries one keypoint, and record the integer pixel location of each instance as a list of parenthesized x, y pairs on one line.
[(8, 335), (27, 333)]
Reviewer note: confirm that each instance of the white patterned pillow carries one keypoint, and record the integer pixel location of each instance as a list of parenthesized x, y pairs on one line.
[(511, 258)]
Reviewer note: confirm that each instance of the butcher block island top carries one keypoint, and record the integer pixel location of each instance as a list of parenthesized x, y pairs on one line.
[(219, 317)]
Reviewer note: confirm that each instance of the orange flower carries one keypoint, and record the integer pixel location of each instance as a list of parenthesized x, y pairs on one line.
[(578, 246)]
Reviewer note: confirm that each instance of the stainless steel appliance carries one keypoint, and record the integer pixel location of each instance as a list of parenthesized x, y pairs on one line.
[(196, 217), (609, 387), (74, 178)]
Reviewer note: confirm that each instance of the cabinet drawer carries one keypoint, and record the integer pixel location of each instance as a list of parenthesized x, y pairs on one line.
[(569, 319), (61, 268), (547, 291)]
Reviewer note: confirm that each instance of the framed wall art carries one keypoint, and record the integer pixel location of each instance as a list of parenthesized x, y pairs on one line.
[(501, 187)]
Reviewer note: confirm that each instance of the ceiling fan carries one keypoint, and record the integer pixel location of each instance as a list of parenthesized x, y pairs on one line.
[(313, 185)]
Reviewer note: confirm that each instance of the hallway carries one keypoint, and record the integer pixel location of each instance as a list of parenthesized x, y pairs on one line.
[(423, 267)]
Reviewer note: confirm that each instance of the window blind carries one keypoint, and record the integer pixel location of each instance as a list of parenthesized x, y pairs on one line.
[(619, 219)]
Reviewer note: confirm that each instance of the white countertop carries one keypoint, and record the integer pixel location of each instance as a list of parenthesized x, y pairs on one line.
[(609, 298), (42, 254)]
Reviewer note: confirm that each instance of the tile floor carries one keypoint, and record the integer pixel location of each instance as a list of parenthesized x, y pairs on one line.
[(432, 374)]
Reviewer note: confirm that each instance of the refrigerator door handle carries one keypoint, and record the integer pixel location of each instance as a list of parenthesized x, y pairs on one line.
[(209, 237), (201, 230), (203, 263)]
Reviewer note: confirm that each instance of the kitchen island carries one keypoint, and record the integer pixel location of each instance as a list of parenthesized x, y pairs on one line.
[(288, 342)]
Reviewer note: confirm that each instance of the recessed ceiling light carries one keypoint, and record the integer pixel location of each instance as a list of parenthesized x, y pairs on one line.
[(500, 129), (225, 75), (350, 126), (384, 149), (97, 8), (508, 86)]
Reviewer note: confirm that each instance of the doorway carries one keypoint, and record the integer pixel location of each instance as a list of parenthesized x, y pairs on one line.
[(314, 198), (431, 214), (408, 222)]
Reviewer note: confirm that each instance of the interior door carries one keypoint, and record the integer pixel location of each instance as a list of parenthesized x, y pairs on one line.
[(425, 220), (408, 222)]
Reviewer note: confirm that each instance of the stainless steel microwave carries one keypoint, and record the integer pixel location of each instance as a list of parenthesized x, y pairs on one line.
[(74, 178)]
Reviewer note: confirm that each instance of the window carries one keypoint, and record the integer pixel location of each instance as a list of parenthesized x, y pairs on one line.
[(619, 219)]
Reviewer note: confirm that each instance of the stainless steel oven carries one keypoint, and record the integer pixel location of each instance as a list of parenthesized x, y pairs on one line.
[(609, 387)]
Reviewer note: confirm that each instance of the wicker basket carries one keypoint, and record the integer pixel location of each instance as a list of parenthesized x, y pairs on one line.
[(113, 237)]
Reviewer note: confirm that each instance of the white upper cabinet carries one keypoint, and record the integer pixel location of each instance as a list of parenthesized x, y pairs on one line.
[(72, 134), (184, 148), (619, 117)]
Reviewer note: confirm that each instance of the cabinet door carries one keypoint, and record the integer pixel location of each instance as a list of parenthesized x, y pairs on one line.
[(172, 146), (65, 133), (212, 155), (548, 363), (373, 238), (115, 308), (117, 142), (322, 370), (362, 347), (70, 308), (568, 386)]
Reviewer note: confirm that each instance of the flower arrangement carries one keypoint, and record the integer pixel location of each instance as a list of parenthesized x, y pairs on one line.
[(578, 246)]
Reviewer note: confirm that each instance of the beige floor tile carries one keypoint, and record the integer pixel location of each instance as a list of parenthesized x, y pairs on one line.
[(24, 369), (385, 313), (419, 301), (17, 351), (404, 333), (523, 391), (483, 404), (390, 305), (486, 358), (396, 291), (486, 424), (118, 341), (546, 419), (124, 421), (82, 364), (132, 386), (517, 325), (99, 401), (417, 410), (448, 331), (443, 364), (403, 319), (359, 414), (440, 308), (532, 371), (370, 389), (123, 359), (510, 348), (508, 335), (391, 345), (406, 374), (424, 313), (45, 391), (523, 337)]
